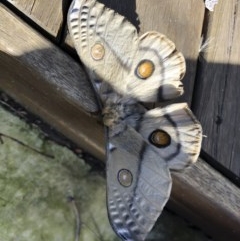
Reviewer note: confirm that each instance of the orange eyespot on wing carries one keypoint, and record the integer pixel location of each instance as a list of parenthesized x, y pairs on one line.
[(145, 69), (160, 138)]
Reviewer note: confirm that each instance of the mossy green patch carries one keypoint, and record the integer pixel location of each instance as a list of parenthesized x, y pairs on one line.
[(35, 190)]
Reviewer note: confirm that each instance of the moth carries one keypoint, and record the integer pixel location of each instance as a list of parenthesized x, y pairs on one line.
[(142, 145)]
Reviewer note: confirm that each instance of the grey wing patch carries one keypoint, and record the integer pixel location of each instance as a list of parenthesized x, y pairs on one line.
[(138, 186), (175, 134), (105, 41), (157, 69)]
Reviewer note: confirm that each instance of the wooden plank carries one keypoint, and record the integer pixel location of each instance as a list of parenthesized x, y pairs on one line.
[(177, 19), (47, 81), (209, 200), (218, 90), (48, 15)]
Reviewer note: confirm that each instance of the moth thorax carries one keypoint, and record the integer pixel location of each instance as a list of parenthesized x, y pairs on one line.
[(110, 116), (145, 69), (97, 51), (125, 177), (160, 138)]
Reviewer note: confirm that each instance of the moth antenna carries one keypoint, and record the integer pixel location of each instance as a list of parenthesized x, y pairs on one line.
[(205, 45)]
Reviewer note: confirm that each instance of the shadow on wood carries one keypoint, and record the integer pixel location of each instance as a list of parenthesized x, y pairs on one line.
[(50, 102), (216, 104), (126, 8)]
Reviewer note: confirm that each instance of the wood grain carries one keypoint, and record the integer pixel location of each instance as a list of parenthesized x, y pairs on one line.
[(177, 19), (47, 14), (47, 81), (218, 89)]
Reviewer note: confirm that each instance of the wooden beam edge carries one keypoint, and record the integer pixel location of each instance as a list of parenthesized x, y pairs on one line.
[(208, 199)]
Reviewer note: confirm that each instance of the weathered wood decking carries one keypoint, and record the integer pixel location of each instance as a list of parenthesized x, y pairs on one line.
[(218, 88), (53, 86)]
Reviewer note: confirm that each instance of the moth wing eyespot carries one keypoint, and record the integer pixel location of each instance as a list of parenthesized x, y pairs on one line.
[(97, 51), (160, 138), (145, 69), (125, 177)]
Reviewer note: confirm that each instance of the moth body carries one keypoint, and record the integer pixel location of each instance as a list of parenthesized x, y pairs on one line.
[(119, 111)]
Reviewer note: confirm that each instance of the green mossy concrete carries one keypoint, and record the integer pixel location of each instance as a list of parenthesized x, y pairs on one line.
[(35, 189)]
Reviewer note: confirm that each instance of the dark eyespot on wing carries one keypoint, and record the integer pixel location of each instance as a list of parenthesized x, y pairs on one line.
[(160, 138), (185, 131)]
